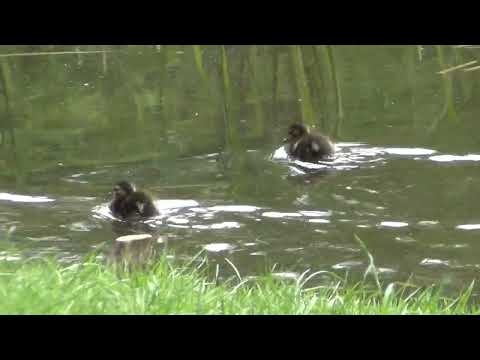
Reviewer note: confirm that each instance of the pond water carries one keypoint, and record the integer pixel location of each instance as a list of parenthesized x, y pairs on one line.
[(200, 129)]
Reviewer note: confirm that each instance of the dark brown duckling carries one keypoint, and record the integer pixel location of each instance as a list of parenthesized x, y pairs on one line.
[(307, 146), (130, 204)]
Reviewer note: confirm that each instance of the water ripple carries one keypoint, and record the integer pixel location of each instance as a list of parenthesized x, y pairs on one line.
[(234, 208), (468, 227), (452, 158), (219, 247), (24, 198), (434, 262), (394, 224), (348, 156), (275, 214), (346, 265), (217, 226)]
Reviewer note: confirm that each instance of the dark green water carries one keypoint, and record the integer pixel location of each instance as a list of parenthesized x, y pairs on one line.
[(200, 128)]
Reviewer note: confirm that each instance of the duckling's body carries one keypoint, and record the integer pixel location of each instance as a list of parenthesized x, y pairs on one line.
[(130, 204), (307, 146)]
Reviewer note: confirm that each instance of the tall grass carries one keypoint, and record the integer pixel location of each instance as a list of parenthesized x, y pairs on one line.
[(46, 287)]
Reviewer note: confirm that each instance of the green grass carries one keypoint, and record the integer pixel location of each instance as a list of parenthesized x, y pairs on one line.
[(47, 287)]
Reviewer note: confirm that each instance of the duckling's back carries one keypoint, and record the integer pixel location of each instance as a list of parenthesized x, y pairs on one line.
[(313, 147), (141, 203)]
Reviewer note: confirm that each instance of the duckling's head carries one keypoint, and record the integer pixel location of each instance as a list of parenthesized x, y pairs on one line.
[(295, 132), (122, 189)]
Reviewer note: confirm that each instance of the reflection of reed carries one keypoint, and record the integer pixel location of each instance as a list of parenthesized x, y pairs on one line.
[(420, 52), (7, 123), (257, 128), (79, 56), (305, 101), (104, 60), (410, 61), (449, 105), (318, 87), (76, 52), (329, 62), (232, 140), (242, 105), (7, 86), (7, 120), (453, 68), (325, 68), (275, 67), (7, 132), (135, 88), (197, 54), (338, 90), (328, 87), (464, 77), (208, 113)]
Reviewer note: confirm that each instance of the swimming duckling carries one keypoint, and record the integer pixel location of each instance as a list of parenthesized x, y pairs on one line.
[(130, 204), (306, 146)]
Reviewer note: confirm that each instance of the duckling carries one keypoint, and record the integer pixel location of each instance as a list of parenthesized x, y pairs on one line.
[(307, 146), (127, 203)]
